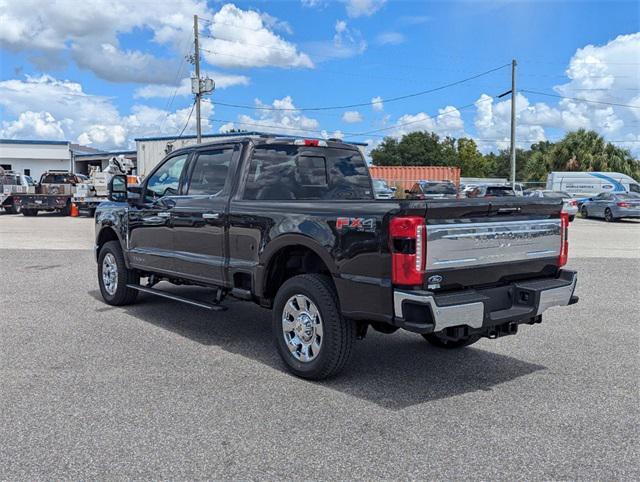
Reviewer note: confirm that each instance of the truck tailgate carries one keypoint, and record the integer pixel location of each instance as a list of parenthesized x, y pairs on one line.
[(474, 242)]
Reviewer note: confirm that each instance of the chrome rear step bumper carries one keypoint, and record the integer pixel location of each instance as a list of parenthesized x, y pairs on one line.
[(519, 302)]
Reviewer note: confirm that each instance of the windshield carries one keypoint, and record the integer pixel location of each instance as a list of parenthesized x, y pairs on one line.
[(500, 191), (380, 185), (437, 188)]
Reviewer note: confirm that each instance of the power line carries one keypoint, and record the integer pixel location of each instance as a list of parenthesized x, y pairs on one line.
[(451, 111), (186, 123), (363, 104), (580, 100)]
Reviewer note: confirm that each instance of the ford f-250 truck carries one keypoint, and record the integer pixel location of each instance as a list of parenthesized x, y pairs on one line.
[(293, 225)]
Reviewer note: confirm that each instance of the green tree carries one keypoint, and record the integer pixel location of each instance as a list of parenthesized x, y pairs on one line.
[(416, 149), (471, 161), (584, 150)]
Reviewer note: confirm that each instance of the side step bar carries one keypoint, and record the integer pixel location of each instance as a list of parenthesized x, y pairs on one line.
[(181, 299)]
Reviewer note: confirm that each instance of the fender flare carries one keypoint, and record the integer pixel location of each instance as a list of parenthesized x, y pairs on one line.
[(284, 241)]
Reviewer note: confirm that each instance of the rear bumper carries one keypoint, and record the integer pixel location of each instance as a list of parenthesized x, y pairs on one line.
[(626, 213), (480, 310)]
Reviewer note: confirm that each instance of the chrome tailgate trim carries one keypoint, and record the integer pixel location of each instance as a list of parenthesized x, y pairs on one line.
[(471, 244)]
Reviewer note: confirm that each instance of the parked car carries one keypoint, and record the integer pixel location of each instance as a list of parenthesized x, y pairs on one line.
[(432, 190), (290, 224), (382, 189), (53, 193), (612, 206), (489, 190), (569, 205)]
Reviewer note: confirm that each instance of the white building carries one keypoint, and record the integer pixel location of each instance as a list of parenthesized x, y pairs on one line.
[(32, 158), (151, 150)]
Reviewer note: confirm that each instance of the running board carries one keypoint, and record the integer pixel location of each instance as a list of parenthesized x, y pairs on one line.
[(182, 299)]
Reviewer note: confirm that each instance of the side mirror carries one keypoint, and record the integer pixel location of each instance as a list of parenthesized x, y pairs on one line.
[(118, 189)]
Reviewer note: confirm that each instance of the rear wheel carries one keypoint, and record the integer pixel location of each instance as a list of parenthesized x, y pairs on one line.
[(583, 212), (608, 216), (311, 336), (442, 342), (29, 212), (114, 276)]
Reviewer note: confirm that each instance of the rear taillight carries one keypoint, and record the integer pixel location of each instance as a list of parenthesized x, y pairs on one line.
[(623, 205), (408, 249), (564, 239)]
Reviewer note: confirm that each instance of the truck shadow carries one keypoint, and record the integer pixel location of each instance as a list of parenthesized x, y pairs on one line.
[(392, 371)]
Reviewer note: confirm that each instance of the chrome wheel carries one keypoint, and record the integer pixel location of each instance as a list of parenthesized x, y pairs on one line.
[(302, 328), (110, 274)]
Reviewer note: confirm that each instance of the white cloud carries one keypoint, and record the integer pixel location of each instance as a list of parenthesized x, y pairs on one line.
[(448, 122), (347, 42), (377, 104), (243, 39), (352, 116), (32, 125), (363, 8), (606, 73), (48, 108), (90, 32), (184, 88), (390, 38), (288, 120)]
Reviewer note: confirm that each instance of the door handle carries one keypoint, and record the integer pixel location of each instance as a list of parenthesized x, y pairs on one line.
[(164, 215), (210, 215)]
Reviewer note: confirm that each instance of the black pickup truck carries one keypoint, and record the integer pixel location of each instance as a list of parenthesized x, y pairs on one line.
[(293, 225)]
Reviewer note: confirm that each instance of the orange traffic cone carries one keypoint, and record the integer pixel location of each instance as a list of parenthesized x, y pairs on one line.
[(75, 212)]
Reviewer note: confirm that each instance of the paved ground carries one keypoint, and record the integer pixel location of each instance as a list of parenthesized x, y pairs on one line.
[(160, 390)]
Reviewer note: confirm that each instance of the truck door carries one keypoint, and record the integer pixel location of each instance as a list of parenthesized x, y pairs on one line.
[(150, 234), (200, 214)]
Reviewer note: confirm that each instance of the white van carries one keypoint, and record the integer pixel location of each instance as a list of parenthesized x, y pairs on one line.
[(587, 184)]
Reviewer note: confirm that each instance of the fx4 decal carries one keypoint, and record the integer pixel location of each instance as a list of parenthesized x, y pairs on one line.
[(357, 224)]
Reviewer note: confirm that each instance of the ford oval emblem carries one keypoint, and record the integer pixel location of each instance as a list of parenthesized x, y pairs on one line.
[(435, 279)]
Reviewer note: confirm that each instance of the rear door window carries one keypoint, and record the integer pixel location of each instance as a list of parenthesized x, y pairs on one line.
[(289, 172), (210, 172)]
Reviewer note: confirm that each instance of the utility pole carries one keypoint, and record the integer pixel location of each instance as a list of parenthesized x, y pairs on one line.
[(196, 61), (513, 123)]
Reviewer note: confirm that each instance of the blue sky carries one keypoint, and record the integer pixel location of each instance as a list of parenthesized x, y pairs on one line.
[(105, 72)]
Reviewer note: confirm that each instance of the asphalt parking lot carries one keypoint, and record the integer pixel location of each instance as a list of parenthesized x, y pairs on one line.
[(162, 390)]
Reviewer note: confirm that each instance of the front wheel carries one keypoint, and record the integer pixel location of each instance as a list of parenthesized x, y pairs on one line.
[(608, 216), (442, 342), (29, 212), (311, 335), (12, 209), (114, 276), (583, 212)]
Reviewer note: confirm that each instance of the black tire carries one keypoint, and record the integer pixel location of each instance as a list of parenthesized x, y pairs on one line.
[(12, 209), (571, 218), (338, 334), (583, 212), (121, 295), (608, 216), (29, 212), (440, 342), (66, 211)]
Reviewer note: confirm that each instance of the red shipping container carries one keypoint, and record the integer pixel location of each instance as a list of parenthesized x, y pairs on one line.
[(404, 177)]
